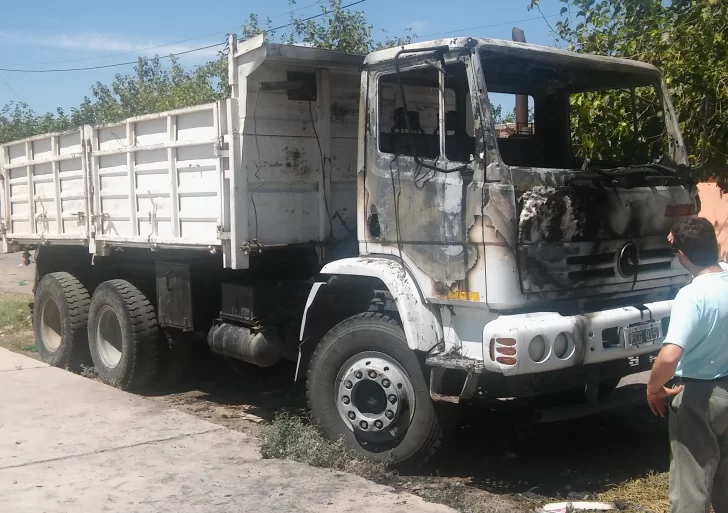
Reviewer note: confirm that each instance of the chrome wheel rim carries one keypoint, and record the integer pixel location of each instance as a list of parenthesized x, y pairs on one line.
[(50, 325), (375, 397), (109, 337)]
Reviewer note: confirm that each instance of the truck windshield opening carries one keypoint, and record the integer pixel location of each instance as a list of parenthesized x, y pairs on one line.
[(580, 114)]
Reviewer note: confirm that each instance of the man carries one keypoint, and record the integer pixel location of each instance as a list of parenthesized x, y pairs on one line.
[(696, 351)]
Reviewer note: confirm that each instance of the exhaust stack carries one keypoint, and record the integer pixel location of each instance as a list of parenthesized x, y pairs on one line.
[(521, 100)]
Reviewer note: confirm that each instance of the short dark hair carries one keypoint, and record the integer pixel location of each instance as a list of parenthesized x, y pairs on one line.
[(695, 237)]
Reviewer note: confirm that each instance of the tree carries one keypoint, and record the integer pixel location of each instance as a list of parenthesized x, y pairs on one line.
[(686, 39), (159, 89), (337, 28), (510, 117)]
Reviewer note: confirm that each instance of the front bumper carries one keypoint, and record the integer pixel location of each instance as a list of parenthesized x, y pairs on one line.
[(567, 341)]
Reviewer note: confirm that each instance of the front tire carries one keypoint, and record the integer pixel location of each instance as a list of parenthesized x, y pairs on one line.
[(366, 387), (123, 336), (60, 313)]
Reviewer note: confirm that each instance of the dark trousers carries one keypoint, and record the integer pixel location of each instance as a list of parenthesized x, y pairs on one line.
[(699, 443)]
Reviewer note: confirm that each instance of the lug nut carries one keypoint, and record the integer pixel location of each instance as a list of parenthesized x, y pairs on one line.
[(385, 383), (378, 424), (392, 399), (348, 384), (389, 414), (358, 375), (372, 374), (363, 424), (345, 400), (352, 415)]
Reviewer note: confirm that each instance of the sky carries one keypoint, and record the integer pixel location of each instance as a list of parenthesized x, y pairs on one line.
[(85, 33)]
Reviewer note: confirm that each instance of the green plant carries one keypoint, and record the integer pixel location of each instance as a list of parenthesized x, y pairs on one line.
[(15, 316)]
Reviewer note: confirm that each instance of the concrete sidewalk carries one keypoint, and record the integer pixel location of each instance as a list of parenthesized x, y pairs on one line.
[(70, 444)]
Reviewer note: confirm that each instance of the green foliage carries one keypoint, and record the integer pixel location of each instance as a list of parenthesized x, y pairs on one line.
[(154, 88), (151, 89), (686, 39), (616, 126), (14, 316), (510, 117), (337, 28), (294, 438)]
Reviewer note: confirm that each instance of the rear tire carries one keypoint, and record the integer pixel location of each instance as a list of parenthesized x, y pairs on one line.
[(60, 314), (410, 431), (124, 336)]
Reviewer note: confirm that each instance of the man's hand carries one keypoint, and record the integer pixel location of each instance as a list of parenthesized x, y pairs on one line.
[(656, 400)]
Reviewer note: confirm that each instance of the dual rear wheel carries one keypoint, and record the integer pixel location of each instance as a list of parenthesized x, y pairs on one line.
[(116, 330), (365, 385)]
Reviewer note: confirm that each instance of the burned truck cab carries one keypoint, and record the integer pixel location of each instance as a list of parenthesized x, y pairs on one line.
[(537, 247)]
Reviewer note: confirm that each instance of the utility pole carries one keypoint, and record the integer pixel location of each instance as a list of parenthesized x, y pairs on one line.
[(140, 70)]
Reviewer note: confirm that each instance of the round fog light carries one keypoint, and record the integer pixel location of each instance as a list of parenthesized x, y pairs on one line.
[(537, 349), (563, 346)]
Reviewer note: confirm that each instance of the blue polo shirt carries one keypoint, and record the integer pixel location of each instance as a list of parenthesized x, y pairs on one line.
[(699, 324)]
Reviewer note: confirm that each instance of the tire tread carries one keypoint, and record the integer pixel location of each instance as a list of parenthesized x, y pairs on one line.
[(147, 346), (435, 434), (78, 300)]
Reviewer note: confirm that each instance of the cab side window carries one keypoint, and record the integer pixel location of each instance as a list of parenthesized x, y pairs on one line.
[(415, 131)]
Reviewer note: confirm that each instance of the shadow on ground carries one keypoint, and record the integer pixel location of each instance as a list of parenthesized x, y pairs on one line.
[(586, 455), (493, 450)]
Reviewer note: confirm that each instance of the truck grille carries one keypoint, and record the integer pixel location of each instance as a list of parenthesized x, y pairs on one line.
[(560, 266)]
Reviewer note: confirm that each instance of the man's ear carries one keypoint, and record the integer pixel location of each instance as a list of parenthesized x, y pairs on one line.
[(683, 258)]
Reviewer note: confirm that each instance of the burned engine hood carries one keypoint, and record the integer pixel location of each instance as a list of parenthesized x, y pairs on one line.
[(583, 239)]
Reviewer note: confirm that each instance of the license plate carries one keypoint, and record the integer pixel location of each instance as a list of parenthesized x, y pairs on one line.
[(642, 334)]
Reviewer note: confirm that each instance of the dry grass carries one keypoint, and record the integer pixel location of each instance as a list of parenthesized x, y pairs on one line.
[(295, 438), (651, 492), (466, 499)]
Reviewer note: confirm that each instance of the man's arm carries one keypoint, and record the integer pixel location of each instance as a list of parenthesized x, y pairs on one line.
[(684, 331), (664, 368), (662, 371)]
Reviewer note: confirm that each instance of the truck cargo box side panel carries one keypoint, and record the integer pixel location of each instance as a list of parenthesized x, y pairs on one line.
[(283, 162), (285, 143), (158, 178), (45, 191), (344, 133)]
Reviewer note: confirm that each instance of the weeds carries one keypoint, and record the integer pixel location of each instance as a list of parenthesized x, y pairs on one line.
[(467, 500), (89, 371), (651, 492), (295, 438), (14, 316)]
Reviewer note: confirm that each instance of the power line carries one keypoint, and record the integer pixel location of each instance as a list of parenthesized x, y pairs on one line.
[(103, 66), (11, 89), (106, 65), (139, 50), (486, 26), (324, 13)]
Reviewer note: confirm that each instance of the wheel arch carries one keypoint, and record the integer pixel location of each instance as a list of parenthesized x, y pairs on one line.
[(420, 324)]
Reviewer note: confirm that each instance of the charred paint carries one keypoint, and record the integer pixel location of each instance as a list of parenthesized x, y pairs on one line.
[(295, 162), (339, 111)]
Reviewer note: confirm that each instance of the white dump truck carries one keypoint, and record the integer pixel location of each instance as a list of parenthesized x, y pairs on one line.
[(365, 217)]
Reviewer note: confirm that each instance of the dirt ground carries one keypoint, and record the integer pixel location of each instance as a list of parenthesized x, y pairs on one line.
[(494, 451)]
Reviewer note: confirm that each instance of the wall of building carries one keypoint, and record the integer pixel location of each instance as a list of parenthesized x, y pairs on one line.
[(715, 209)]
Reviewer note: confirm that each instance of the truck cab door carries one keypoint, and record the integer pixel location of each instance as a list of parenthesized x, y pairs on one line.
[(421, 197)]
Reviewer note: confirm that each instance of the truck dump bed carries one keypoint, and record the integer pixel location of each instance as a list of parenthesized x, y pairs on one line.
[(275, 164)]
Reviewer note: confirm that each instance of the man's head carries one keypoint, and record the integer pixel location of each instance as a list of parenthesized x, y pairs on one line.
[(695, 241)]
